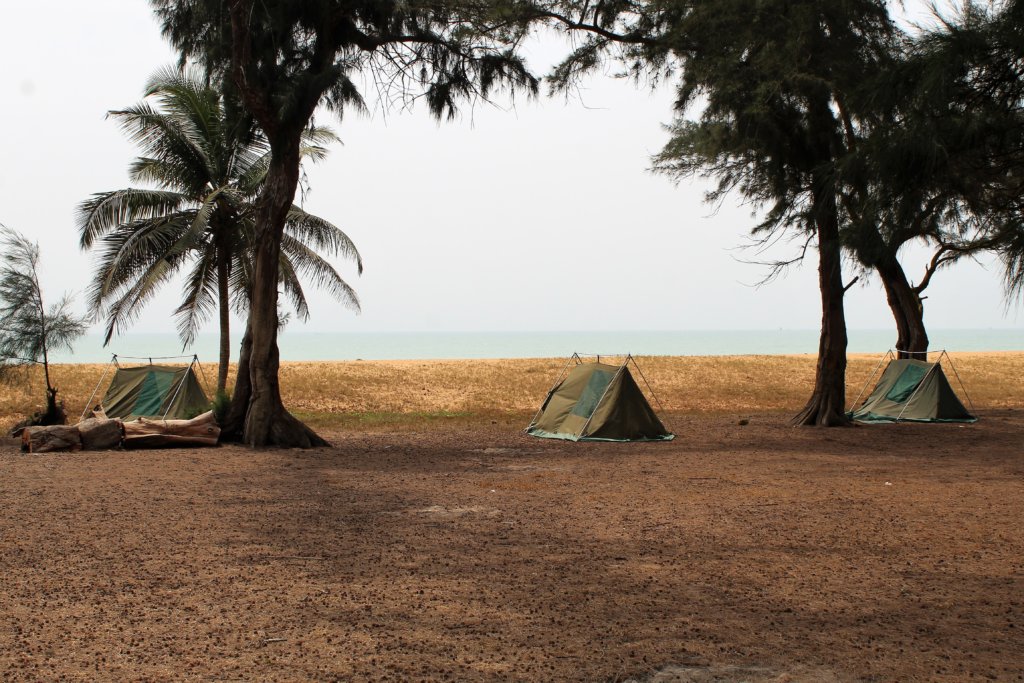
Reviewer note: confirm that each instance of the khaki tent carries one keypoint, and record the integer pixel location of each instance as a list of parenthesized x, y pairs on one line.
[(156, 391), (597, 402), (912, 390)]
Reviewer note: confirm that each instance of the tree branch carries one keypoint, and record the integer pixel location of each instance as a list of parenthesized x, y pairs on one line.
[(634, 38)]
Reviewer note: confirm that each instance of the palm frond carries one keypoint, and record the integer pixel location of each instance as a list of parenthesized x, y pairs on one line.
[(135, 253), (301, 260), (200, 297), (292, 288), (321, 235), (168, 139), (105, 211)]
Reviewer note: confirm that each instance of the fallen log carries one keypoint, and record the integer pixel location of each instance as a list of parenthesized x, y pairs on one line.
[(146, 433), (100, 434), (51, 438)]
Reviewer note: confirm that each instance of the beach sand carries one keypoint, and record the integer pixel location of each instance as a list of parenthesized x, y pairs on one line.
[(435, 541)]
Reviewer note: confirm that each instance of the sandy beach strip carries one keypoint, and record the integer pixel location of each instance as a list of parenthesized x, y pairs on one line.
[(331, 393)]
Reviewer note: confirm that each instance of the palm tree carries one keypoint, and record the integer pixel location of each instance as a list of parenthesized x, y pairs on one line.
[(205, 162)]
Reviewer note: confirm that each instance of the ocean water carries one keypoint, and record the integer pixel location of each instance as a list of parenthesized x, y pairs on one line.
[(441, 345)]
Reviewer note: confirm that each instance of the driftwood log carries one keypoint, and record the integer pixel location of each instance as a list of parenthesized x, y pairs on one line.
[(145, 433), (51, 438), (100, 434)]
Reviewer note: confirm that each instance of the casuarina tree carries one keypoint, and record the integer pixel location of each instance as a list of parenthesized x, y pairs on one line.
[(31, 330), (966, 80), (204, 164), (935, 155), (289, 58), (765, 90)]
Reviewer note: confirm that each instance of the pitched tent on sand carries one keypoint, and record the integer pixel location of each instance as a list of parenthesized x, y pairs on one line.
[(911, 390), (165, 392), (597, 402)]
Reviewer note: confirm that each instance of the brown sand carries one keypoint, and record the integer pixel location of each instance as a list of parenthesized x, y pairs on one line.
[(467, 551)]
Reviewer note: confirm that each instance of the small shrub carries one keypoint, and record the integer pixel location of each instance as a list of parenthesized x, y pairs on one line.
[(219, 405)]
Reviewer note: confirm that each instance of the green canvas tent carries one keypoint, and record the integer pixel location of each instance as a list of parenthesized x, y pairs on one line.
[(911, 390), (597, 402), (163, 392)]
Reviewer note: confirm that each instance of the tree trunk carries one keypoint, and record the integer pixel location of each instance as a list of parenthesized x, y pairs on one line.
[(54, 413), (267, 423), (224, 305), (827, 405), (100, 434), (907, 309), (234, 421), (51, 438), (201, 430)]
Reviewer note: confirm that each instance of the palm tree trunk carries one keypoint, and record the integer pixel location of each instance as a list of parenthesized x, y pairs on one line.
[(234, 422), (267, 423), (225, 317)]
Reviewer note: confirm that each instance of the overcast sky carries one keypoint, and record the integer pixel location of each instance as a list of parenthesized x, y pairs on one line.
[(538, 217)]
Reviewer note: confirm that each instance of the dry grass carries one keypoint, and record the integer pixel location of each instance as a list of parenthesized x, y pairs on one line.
[(395, 394)]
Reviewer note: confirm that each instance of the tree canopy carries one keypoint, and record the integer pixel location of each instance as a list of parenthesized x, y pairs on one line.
[(767, 91), (286, 60)]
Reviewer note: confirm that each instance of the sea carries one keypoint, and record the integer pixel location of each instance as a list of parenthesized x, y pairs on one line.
[(326, 346)]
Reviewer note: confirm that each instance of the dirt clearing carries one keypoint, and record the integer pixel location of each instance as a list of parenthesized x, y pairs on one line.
[(471, 552)]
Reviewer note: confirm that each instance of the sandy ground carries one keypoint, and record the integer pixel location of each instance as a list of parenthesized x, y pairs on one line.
[(476, 553)]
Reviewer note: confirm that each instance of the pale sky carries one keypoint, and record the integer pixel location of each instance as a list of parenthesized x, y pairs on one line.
[(538, 217)]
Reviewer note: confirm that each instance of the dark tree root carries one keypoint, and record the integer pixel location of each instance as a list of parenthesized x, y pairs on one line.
[(282, 430), (820, 411), (287, 431)]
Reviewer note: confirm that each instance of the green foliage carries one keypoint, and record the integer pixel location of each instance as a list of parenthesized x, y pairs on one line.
[(972, 71), (30, 330), (303, 54), (220, 404), (943, 140), (287, 59)]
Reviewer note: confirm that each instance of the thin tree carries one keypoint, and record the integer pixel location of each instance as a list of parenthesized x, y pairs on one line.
[(205, 162), (31, 331), (289, 58)]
